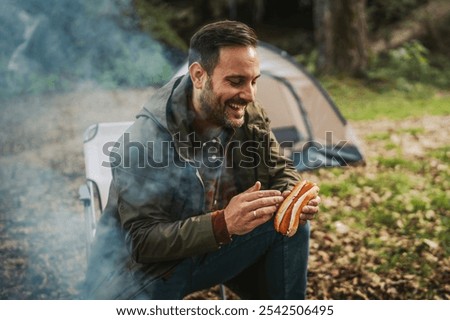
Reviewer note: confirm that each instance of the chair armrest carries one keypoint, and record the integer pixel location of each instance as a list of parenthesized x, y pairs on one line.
[(84, 194)]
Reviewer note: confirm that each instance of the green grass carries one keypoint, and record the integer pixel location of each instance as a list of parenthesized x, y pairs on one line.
[(442, 153), (377, 136), (360, 102), (398, 162), (412, 131)]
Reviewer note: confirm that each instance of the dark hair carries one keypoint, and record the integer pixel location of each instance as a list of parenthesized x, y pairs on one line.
[(206, 43)]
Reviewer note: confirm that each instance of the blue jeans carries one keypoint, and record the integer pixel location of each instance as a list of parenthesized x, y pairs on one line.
[(273, 265)]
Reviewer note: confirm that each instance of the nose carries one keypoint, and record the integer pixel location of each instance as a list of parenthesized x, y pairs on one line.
[(248, 92)]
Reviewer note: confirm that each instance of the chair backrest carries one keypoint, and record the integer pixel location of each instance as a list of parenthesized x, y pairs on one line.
[(98, 140)]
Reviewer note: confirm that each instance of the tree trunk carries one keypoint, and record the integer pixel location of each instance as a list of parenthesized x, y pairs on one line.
[(341, 36)]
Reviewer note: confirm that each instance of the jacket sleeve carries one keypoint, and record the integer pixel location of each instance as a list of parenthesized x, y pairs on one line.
[(153, 231)]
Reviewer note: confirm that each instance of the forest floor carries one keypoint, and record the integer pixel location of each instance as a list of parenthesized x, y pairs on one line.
[(41, 219)]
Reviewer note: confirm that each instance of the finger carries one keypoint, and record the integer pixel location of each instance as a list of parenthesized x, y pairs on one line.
[(314, 201), (264, 202), (268, 211), (264, 213), (310, 209), (286, 193), (253, 188), (260, 194), (306, 216)]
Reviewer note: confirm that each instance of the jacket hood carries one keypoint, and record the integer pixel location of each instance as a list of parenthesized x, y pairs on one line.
[(168, 108), (163, 102)]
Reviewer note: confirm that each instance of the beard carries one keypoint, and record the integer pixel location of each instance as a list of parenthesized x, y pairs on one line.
[(217, 113)]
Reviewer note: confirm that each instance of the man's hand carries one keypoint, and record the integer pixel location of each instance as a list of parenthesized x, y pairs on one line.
[(309, 211), (251, 208)]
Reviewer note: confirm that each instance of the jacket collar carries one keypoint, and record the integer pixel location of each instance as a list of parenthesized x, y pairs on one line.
[(179, 119)]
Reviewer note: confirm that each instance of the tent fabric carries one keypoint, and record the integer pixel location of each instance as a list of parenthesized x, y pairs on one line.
[(303, 117)]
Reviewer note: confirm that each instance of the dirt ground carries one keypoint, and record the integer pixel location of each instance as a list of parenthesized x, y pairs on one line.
[(42, 244)]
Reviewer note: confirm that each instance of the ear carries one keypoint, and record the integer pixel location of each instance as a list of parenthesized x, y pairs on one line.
[(198, 74)]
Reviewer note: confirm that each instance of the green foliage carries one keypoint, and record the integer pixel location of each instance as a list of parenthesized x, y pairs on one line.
[(155, 18), (407, 66), (308, 61)]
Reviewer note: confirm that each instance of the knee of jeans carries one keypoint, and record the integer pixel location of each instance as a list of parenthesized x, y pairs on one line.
[(303, 233), (305, 229)]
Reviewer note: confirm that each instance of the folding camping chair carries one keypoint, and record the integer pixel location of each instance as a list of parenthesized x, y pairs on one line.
[(94, 193), (98, 139)]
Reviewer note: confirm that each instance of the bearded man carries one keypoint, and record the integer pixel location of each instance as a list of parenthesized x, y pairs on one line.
[(196, 181)]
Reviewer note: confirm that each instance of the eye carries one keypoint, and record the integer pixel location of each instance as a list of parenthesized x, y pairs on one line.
[(236, 82)]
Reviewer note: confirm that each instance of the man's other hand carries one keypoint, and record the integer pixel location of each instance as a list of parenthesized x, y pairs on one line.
[(310, 210)]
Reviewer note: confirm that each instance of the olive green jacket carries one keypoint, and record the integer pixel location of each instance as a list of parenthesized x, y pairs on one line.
[(155, 214)]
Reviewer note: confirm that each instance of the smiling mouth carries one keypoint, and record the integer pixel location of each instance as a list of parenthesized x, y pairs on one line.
[(237, 107), (237, 110), (235, 114)]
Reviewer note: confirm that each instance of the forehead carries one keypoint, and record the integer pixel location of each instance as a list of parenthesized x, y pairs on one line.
[(242, 61)]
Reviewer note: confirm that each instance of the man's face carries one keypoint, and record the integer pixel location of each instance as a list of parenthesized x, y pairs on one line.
[(231, 87)]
